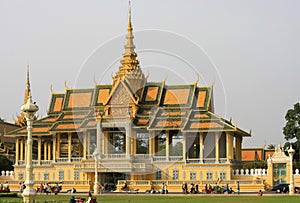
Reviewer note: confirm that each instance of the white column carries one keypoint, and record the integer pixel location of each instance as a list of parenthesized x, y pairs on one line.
[(128, 136), (22, 150), (54, 148), (201, 155), (84, 144), (167, 145), (39, 150), (69, 147), (88, 143), (99, 134), (217, 137), (25, 158), (17, 151)]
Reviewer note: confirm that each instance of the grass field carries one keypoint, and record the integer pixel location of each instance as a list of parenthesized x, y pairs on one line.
[(162, 198)]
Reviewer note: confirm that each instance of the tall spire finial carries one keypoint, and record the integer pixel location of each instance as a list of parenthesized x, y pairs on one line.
[(27, 90), (129, 47)]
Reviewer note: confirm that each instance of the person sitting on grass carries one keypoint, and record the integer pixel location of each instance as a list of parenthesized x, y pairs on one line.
[(72, 200), (125, 187), (260, 193)]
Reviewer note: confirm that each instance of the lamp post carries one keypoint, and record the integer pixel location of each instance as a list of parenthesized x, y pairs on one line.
[(96, 184), (29, 109), (291, 152)]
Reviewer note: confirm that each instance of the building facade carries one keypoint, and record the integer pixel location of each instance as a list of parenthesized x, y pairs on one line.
[(133, 130)]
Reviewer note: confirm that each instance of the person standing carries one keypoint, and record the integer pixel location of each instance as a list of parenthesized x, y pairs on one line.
[(238, 187)]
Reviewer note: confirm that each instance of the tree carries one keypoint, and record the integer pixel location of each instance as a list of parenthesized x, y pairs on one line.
[(291, 129), (271, 146), (5, 164)]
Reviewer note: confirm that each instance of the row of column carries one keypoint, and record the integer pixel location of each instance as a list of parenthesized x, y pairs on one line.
[(21, 150), (54, 144)]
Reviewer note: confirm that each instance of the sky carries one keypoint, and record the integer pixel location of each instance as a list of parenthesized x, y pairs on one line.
[(248, 49)]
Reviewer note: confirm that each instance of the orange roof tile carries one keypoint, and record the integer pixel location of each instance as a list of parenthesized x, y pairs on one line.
[(49, 120), (77, 100), (201, 99), (151, 93), (37, 130), (103, 95), (176, 96), (267, 154), (206, 125), (173, 113), (142, 121), (67, 126), (58, 104), (168, 123), (74, 116), (91, 123), (199, 115), (251, 155)]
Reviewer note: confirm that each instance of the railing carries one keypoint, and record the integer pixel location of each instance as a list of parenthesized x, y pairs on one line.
[(141, 156), (62, 160), (251, 172), (209, 160), (113, 156), (193, 161), (175, 158), (46, 162), (76, 159), (180, 182), (159, 158)]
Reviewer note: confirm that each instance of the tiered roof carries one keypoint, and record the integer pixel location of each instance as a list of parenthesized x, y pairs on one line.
[(148, 105)]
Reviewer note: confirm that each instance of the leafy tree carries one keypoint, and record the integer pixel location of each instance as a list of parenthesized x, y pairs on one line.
[(291, 130), (271, 146), (5, 164), (255, 164)]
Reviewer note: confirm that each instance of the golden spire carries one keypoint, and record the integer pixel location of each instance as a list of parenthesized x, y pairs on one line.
[(27, 90), (129, 47), (21, 120), (129, 62)]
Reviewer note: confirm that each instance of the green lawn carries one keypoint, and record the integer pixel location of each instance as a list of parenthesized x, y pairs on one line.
[(162, 198)]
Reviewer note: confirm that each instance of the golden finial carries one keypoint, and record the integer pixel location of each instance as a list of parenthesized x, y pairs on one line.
[(95, 81), (165, 79), (129, 47), (27, 89), (230, 119), (213, 84), (198, 78), (51, 89), (66, 86), (250, 132)]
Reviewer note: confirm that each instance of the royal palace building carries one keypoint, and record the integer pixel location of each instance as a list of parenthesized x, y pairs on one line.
[(133, 130)]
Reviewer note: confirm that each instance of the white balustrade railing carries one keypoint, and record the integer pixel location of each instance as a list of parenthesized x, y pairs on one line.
[(62, 160), (175, 158), (7, 173), (251, 172), (76, 159), (159, 158), (113, 156)]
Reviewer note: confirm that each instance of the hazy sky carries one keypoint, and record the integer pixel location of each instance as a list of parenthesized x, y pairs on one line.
[(249, 48)]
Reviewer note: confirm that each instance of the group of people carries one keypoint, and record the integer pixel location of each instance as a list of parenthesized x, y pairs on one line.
[(193, 190), (22, 187), (89, 200), (4, 187)]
